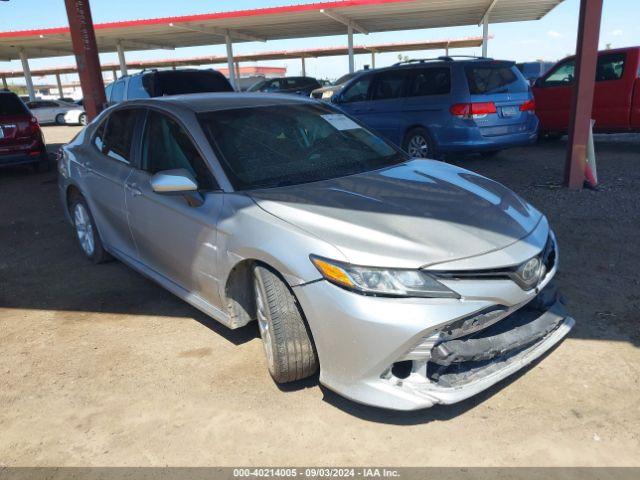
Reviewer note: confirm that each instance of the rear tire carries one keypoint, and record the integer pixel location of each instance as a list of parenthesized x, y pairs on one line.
[(419, 144), (86, 231), (83, 119), (60, 119), (286, 338)]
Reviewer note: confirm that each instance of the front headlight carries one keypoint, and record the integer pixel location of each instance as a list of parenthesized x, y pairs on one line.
[(382, 281)]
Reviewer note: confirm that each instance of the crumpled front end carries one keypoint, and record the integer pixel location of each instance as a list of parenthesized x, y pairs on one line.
[(412, 353)]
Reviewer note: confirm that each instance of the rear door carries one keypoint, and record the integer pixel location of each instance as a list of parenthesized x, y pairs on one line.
[(613, 92), (106, 166), (503, 84), (553, 96), (174, 238), (429, 98)]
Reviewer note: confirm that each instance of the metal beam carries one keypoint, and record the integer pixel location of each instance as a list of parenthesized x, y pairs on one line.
[(59, 82), (582, 101), (487, 11), (134, 44), (121, 59), (485, 36), (350, 48), (27, 75), (83, 38), (219, 32), (230, 61), (344, 20)]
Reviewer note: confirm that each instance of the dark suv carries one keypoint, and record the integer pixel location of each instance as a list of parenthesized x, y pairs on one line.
[(21, 140), (158, 83)]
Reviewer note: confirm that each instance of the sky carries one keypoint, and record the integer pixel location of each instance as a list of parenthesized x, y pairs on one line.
[(550, 38)]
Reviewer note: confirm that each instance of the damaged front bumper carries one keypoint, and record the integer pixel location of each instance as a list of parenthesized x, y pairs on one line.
[(409, 353)]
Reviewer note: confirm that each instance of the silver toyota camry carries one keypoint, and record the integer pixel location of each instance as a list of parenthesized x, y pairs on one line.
[(405, 282)]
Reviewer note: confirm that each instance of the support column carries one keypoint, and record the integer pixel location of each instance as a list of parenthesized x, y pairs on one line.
[(373, 59), (5, 85), (27, 75), (121, 59), (350, 45), (304, 67), (485, 35), (83, 38), (230, 63), (59, 82), (114, 72), (237, 74), (584, 85)]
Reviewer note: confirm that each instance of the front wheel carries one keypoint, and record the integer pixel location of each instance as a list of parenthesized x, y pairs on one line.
[(285, 336), (419, 144)]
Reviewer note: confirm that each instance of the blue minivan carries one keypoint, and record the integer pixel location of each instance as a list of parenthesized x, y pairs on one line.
[(444, 105)]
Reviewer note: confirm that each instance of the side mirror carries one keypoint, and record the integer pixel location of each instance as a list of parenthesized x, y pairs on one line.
[(173, 181)]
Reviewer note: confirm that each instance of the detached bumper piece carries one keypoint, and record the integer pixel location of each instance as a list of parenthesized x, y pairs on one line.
[(459, 361)]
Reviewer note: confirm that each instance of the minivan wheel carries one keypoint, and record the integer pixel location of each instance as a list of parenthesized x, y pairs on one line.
[(86, 231), (60, 119), (419, 144), (285, 336)]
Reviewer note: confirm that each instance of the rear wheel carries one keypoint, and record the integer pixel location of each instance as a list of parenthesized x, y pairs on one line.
[(83, 119), (86, 231), (287, 341), (419, 144), (60, 119)]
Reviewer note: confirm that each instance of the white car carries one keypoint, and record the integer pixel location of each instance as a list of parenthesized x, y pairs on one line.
[(58, 112)]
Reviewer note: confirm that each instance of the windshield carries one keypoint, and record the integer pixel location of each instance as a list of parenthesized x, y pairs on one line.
[(343, 79), (256, 86), (273, 146)]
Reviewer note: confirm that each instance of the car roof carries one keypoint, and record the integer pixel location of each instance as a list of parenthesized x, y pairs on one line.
[(214, 101)]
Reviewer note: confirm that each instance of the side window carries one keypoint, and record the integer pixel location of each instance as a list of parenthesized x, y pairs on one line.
[(562, 75), (107, 91), (430, 81), (358, 91), (166, 146), (114, 136), (117, 95), (389, 85), (136, 88), (610, 67)]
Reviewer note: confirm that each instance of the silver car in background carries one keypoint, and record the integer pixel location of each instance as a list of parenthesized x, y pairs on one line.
[(406, 282)]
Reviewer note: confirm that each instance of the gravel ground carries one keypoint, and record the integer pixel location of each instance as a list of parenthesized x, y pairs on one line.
[(99, 366)]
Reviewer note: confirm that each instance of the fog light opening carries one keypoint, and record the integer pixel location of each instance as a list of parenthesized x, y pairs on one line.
[(402, 369)]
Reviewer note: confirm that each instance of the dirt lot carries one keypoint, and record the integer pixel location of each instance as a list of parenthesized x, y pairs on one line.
[(99, 366)]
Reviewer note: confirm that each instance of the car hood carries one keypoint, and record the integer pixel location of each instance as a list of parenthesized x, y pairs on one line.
[(414, 214)]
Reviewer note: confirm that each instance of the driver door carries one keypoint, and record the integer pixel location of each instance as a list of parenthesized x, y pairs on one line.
[(174, 237)]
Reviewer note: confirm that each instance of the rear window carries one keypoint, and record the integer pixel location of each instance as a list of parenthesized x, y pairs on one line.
[(176, 83), (10, 104), (495, 78)]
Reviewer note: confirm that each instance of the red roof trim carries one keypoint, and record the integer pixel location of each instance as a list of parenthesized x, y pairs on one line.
[(207, 16)]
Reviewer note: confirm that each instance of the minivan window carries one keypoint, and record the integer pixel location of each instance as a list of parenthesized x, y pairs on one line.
[(10, 104), (166, 146), (430, 81), (277, 145), (114, 139), (117, 95), (136, 89), (358, 91), (496, 77), (610, 67), (389, 84)]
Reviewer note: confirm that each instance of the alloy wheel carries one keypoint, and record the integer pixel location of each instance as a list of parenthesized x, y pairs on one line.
[(418, 147), (84, 229), (262, 310)]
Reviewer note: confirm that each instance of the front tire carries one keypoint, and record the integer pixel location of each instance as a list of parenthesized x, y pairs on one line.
[(419, 144), (285, 336), (86, 231)]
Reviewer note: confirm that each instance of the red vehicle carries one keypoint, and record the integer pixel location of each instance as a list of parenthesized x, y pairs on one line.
[(21, 140), (616, 100)]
